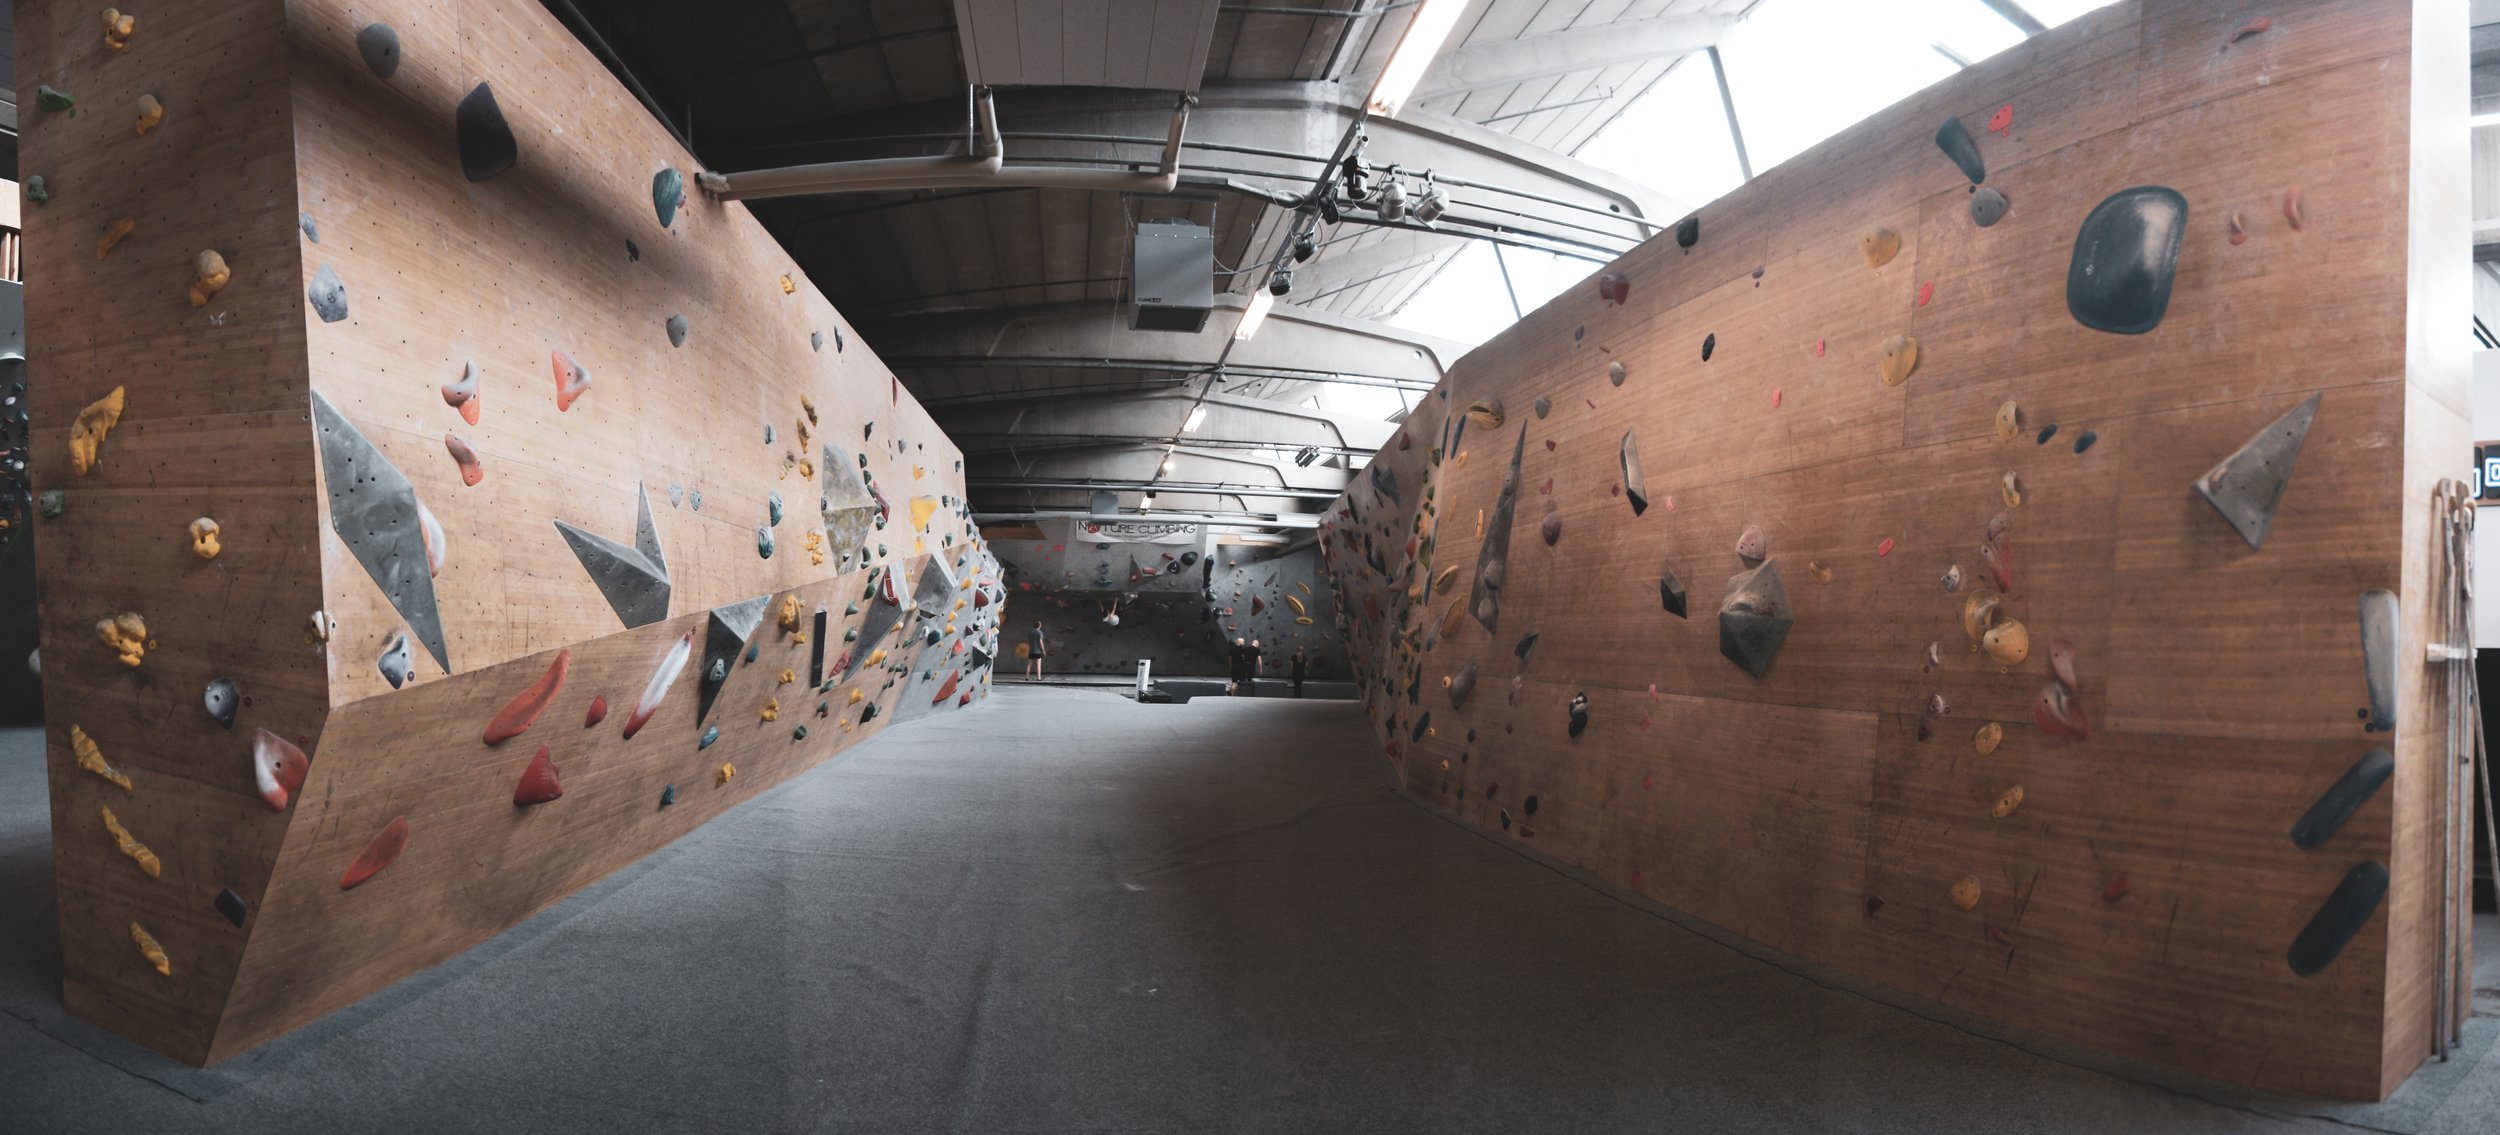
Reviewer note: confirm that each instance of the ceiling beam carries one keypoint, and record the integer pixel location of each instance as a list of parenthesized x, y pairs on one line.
[(1590, 48)]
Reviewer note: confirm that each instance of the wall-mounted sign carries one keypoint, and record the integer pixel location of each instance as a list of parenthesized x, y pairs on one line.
[(1153, 532), (2486, 477)]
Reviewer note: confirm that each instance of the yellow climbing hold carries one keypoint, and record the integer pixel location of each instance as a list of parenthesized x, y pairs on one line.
[(113, 232), (787, 676), (772, 710), (788, 285), (1295, 602), (151, 112), (728, 772), (91, 758), (117, 29), (2009, 421), (204, 539), (127, 634), (136, 850), (148, 949), (856, 695), (86, 434), (1302, 587), (2007, 801), (1900, 358), (1966, 892), (789, 617), (1879, 245), (921, 509), (1820, 573), (2012, 487), (209, 273), (1988, 738), (2007, 642)]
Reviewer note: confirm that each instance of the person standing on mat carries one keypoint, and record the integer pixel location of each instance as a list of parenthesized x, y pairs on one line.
[(1257, 665), (1241, 665), (1301, 666), (1034, 649)]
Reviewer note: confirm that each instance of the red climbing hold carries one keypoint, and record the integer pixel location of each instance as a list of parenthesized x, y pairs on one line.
[(1549, 442), (1926, 292), (470, 471), (1775, 398), (381, 853), (2116, 890), (523, 710), (1546, 489), (2291, 207), (571, 379), (598, 711), (2058, 714), (2004, 117), (1884, 547), (946, 689), (2258, 26), (1257, 605), (538, 782), (1614, 286), (278, 768), (1818, 348)]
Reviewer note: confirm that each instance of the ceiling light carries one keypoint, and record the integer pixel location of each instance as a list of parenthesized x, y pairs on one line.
[(1425, 32), (1280, 284), (1431, 201), (1167, 464), (1251, 317), (1197, 417), (1392, 203), (1305, 246)]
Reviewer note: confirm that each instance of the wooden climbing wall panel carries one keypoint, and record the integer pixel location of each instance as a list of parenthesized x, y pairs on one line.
[(316, 407), (2142, 894)]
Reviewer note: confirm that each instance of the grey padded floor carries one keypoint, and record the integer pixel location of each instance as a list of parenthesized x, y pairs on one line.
[(1070, 912)]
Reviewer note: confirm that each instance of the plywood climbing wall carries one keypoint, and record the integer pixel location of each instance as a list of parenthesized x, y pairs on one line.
[(1907, 376), (546, 510)]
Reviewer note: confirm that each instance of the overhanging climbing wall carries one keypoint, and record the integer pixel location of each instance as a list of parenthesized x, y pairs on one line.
[(1987, 552), (445, 505)]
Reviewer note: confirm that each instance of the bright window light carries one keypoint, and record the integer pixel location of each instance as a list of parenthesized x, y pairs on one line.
[(1416, 49), (1252, 316), (1197, 417), (1167, 464)]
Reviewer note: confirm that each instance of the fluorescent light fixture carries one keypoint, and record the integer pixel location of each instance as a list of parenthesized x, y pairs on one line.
[(1425, 32), (1251, 317), (1197, 417), (2492, 119), (1147, 503), (1167, 464)]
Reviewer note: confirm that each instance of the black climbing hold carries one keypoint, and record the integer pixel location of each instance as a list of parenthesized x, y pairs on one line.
[(1955, 140), (668, 796), (632, 251), (2343, 798), (2084, 440), (2340, 917), (2126, 254), (1422, 724), (380, 47), (2046, 432), (1671, 593), (1688, 231), (1987, 207), (487, 147), (1873, 904), (1528, 805), (231, 905), (677, 331), (1577, 333), (1579, 719), (1527, 643), (1709, 343), (1505, 819), (328, 295), (668, 190), (1753, 618)]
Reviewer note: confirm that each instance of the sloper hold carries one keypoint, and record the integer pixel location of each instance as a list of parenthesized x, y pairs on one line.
[(725, 634), (327, 295), (522, 711), (373, 509), (676, 327), (2342, 798), (668, 190), (380, 853), (1987, 207), (1671, 592), (231, 905), (487, 147), (2340, 917), (2378, 656), (220, 698), (1635, 485), (1753, 618), (2248, 485), (1688, 231), (1462, 684), (633, 580), (2126, 254), (394, 660), (539, 782), (1954, 139), (278, 768), (1493, 557), (380, 47)]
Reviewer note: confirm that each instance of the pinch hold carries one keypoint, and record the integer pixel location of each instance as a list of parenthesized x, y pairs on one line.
[(151, 112), (204, 538), (127, 634), (209, 273), (86, 434)]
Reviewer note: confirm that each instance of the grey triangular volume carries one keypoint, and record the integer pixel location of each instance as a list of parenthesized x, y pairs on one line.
[(724, 635), (373, 509), (633, 580), (2248, 485), (937, 586)]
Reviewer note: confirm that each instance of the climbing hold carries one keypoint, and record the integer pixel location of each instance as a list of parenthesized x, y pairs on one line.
[(2062, 665), (1985, 741), (1613, 286), (91, 758), (1966, 892), (2084, 440), (2058, 714), (1954, 139), (2339, 918), (111, 235), (152, 112), (327, 295), (37, 190), (676, 328), (1709, 343), (148, 949), (117, 29), (208, 274), (204, 538), (137, 851), (2011, 488), (2003, 118), (2238, 230), (464, 394), (381, 852), (2256, 26), (1820, 573), (1926, 292), (380, 47), (2378, 656), (815, 340), (1996, 550), (1951, 580), (2126, 254), (231, 905), (1883, 547), (1635, 484), (2009, 421), (2007, 801), (1752, 544), (1543, 406), (2247, 486), (220, 699), (522, 711), (1753, 618), (1900, 357), (788, 285), (727, 773), (711, 733), (1987, 207), (487, 147), (1879, 245), (1485, 413), (1579, 714), (1615, 373), (1979, 612), (539, 782), (470, 471), (322, 625), (1688, 231), (1551, 526), (668, 795), (2343, 798), (51, 98), (1461, 685), (127, 634), (764, 540), (394, 661), (571, 379), (2291, 208), (2046, 432), (50, 503), (668, 190)]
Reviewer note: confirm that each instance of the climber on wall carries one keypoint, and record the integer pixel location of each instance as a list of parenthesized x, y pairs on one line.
[(1111, 612)]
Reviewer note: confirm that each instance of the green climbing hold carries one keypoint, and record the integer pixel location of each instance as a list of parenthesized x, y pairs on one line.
[(50, 97), (711, 733), (37, 191), (51, 503), (799, 734)]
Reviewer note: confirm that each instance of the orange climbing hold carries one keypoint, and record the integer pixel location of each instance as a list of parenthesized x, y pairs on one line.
[(470, 471), (522, 711), (380, 853), (2258, 26), (598, 711), (2003, 118), (112, 234), (127, 634), (209, 273), (86, 434), (946, 689), (148, 949), (91, 758), (464, 395), (571, 379), (539, 783)]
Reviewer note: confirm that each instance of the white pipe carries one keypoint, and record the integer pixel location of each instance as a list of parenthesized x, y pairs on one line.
[(886, 175)]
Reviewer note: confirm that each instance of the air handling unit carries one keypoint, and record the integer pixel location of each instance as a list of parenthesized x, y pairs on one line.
[(1174, 270)]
